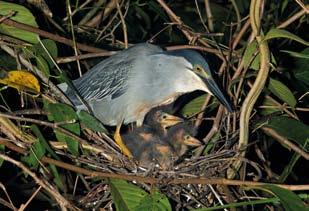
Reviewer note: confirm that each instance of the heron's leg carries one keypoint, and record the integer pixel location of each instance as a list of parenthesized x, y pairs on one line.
[(120, 143)]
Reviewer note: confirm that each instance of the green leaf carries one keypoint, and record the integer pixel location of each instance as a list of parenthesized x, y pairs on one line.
[(211, 144), (283, 125), (282, 92), (300, 70), (296, 54), (125, 196), (37, 151), (153, 202), (23, 15), (63, 113), (290, 201), (250, 51), (194, 106), (52, 49), (42, 65), (270, 107), (35, 129), (289, 167), (90, 122), (280, 33), (57, 179)]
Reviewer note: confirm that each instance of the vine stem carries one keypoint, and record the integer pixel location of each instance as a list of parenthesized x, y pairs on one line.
[(257, 87)]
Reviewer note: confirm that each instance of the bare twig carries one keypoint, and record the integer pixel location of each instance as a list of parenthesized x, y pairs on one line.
[(152, 180), (55, 37), (73, 37), (293, 18), (62, 202), (284, 141), (124, 26), (209, 16)]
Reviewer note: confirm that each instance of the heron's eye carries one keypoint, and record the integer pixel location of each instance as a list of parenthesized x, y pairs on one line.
[(198, 68), (164, 116)]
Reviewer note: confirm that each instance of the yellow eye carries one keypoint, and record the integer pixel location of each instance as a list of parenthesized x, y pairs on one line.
[(198, 68)]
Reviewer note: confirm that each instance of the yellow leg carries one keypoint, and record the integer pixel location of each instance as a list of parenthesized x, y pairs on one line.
[(120, 143)]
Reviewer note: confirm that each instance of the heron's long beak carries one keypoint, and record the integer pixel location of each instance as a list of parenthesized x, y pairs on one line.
[(170, 120), (192, 142), (215, 90)]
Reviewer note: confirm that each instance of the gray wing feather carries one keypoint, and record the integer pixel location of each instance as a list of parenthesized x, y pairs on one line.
[(109, 78)]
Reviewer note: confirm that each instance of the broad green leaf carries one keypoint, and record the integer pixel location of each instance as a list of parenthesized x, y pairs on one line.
[(282, 92), (283, 125), (90, 122), (37, 151), (289, 200), (63, 113), (280, 33), (125, 196), (153, 202), (23, 15)]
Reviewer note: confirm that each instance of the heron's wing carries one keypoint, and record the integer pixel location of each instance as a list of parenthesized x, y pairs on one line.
[(109, 78), (106, 80)]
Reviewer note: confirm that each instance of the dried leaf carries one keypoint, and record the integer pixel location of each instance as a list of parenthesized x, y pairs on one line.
[(21, 80)]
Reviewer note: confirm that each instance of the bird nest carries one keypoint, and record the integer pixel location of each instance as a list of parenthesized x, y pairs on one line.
[(211, 160)]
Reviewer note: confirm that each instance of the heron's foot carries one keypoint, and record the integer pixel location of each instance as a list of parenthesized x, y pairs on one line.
[(122, 146)]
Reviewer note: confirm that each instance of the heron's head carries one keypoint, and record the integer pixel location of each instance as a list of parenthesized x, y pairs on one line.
[(200, 67)]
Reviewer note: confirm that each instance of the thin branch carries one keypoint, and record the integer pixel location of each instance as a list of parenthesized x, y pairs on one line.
[(284, 141), (63, 203), (55, 37), (166, 181), (209, 16), (124, 26), (293, 18), (73, 37)]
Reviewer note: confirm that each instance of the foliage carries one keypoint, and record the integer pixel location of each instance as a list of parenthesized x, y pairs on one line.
[(41, 130)]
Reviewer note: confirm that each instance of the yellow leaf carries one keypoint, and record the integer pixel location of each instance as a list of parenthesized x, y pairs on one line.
[(21, 80)]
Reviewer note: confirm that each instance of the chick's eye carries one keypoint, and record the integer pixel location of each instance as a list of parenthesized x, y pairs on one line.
[(164, 116), (187, 137)]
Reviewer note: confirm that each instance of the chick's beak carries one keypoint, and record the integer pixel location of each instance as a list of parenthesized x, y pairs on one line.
[(192, 142), (170, 120)]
